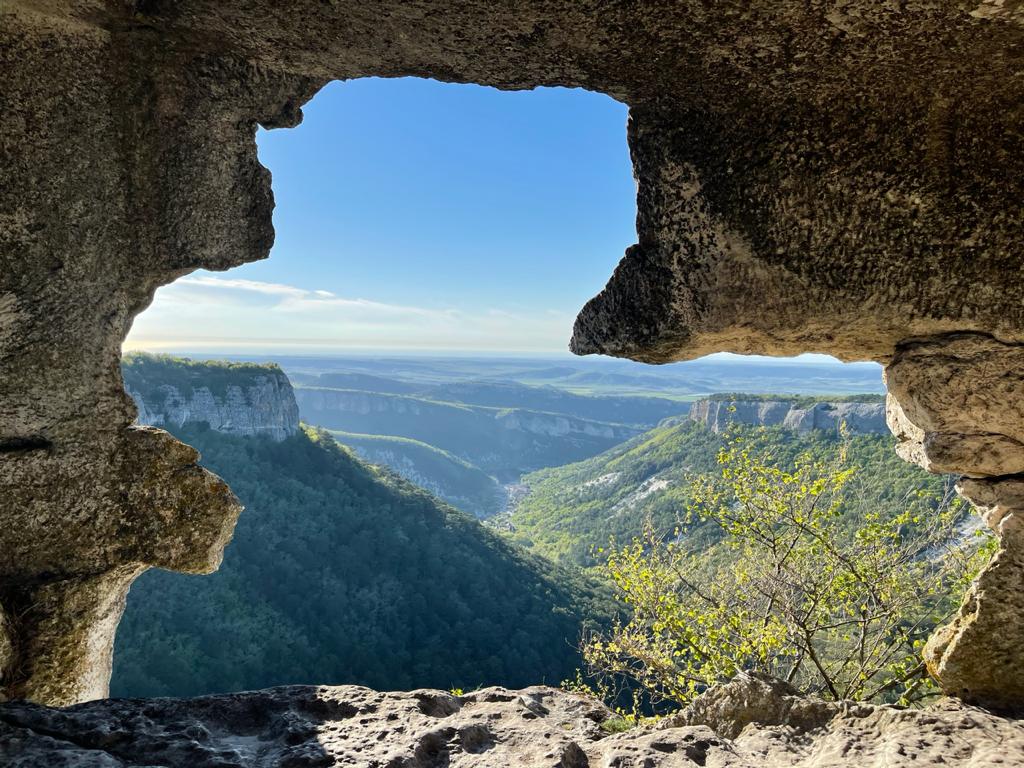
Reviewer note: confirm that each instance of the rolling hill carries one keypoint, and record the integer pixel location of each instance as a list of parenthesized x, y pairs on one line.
[(505, 442)]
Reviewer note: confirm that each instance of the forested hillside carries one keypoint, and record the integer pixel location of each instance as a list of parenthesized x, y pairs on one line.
[(505, 442), (452, 479), (571, 510), (340, 572)]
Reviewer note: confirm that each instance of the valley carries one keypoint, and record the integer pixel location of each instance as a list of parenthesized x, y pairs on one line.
[(503, 418), (360, 557), (341, 572), (506, 442)]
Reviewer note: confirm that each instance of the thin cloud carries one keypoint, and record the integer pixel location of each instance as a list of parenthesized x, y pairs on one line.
[(255, 286), (200, 308)]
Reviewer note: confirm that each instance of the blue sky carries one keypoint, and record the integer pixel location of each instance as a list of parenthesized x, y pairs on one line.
[(413, 214), (417, 216)]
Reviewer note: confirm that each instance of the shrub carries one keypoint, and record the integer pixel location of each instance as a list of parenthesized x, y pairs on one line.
[(801, 581)]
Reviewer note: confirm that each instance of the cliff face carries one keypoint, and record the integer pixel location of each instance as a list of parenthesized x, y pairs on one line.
[(859, 418), (237, 399)]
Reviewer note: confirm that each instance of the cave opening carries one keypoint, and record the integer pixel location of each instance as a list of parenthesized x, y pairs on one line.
[(433, 243), (834, 182), (426, 231)]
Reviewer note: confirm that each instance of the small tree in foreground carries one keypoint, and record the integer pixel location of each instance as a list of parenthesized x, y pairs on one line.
[(803, 582)]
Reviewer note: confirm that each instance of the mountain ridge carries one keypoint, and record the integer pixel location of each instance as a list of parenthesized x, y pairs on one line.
[(857, 415)]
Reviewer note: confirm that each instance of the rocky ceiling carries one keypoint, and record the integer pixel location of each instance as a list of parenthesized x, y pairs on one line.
[(841, 176)]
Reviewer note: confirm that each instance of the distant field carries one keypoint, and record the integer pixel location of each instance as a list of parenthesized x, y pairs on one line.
[(611, 391), (588, 375)]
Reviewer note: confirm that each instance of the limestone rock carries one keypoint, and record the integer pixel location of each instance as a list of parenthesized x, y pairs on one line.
[(857, 418), (497, 728), (1000, 502), (836, 179), (977, 656), (956, 404), (89, 132), (147, 504), (752, 698), (262, 402)]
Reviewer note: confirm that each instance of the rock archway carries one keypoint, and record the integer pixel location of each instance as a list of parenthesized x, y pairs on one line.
[(841, 177)]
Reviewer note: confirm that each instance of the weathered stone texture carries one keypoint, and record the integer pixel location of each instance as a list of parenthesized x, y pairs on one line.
[(956, 404), (838, 177), (761, 725), (125, 165), (752, 698), (65, 575), (978, 656)]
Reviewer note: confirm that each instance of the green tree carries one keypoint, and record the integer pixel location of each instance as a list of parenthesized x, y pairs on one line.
[(798, 582), (341, 572)]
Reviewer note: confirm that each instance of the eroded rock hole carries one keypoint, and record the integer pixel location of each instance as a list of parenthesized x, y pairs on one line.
[(359, 263), (27, 443), (833, 182), (418, 224)]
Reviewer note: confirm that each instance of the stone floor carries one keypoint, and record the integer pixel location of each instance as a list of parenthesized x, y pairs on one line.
[(305, 726)]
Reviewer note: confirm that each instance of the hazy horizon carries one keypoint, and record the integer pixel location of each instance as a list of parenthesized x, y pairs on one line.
[(287, 349)]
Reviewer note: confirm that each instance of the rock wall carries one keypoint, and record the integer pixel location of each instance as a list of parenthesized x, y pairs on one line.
[(857, 418), (262, 402), (956, 404), (832, 177)]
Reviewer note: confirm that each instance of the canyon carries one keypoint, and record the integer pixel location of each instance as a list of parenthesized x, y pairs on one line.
[(503, 441)]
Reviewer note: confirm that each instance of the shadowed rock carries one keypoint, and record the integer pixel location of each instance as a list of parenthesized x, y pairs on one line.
[(748, 723)]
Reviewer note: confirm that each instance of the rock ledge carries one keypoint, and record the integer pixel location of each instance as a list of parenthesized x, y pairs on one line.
[(353, 726)]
